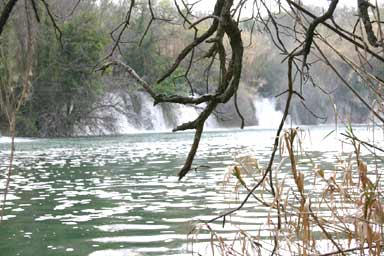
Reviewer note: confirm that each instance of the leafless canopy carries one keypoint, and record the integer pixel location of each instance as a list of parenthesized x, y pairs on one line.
[(225, 23), (221, 31), (224, 36)]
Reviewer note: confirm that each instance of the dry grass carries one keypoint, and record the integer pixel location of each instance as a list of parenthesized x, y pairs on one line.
[(314, 211)]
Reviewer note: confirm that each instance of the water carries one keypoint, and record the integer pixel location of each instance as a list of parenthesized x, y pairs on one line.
[(266, 113), (136, 112), (120, 195)]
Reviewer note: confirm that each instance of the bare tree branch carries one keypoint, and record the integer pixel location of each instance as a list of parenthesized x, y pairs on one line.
[(6, 13)]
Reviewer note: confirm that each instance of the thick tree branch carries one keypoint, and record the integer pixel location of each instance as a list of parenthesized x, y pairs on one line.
[(6, 13), (197, 41), (338, 32), (363, 6)]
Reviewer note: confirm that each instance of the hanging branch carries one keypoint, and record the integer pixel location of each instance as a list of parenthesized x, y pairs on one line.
[(6, 13), (212, 29), (239, 112), (304, 51), (223, 25), (359, 45), (125, 26), (13, 104), (58, 32), (363, 6), (34, 6)]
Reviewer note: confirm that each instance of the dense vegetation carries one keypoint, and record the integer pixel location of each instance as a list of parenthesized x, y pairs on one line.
[(56, 75), (67, 93)]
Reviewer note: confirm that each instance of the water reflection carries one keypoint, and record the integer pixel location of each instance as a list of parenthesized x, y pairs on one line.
[(120, 195)]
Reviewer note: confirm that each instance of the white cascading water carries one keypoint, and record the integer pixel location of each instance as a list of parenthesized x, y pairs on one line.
[(212, 122), (123, 126), (9, 139), (187, 113), (266, 113), (135, 112), (152, 116)]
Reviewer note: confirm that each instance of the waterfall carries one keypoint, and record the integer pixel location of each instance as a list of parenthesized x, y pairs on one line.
[(187, 113), (266, 113), (134, 112), (123, 126), (151, 117), (7, 140), (131, 112)]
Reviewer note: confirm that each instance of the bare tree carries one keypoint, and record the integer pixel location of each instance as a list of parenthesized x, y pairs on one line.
[(14, 93), (308, 33), (225, 23)]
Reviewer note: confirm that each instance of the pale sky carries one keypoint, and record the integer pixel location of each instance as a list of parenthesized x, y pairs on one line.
[(325, 3), (207, 5)]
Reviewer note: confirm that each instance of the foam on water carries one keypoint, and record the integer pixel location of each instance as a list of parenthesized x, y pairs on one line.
[(4, 139), (108, 192)]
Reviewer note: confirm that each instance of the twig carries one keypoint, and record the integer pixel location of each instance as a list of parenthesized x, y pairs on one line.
[(6, 13), (362, 142)]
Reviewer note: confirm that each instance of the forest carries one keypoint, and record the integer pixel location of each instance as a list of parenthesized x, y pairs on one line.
[(159, 127), (69, 96)]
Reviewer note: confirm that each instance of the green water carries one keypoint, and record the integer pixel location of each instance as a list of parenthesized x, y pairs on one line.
[(120, 195)]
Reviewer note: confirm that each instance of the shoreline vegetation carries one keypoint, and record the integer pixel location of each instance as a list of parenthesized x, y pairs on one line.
[(332, 183), (66, 95), (319, 208), (62, 64)]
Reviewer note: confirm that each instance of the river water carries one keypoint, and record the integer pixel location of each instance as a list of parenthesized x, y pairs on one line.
[(119, 195)]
